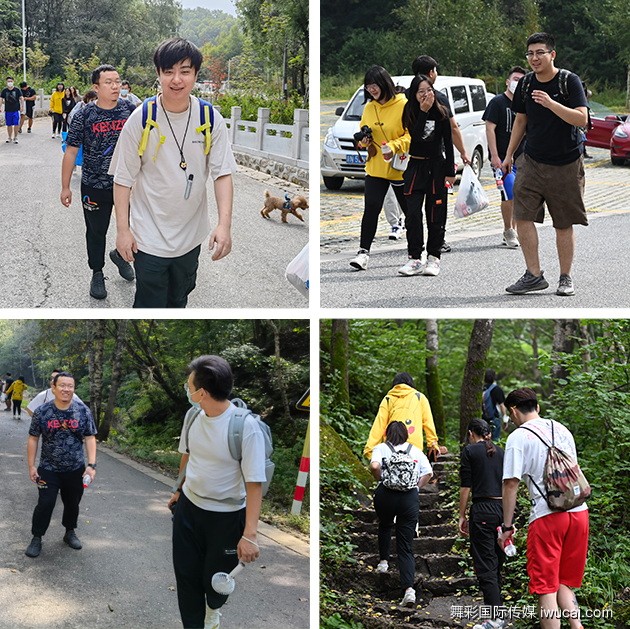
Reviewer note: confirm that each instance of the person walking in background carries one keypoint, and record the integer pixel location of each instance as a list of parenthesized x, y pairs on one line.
[(56, 107), (550, 106), (47, 395), (97, 127), (67, 105), (383, 116), (431, 167), (7, 383), (499, 119), (125, 93), (557, 541), (29, 95), (160, 195), (13, 103), (16, 391), (64, 425), (493, 404), (399, 505), (481, 473), (88, 97), (75, 94)]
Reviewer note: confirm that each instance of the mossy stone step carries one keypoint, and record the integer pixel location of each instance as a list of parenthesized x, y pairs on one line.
[(421, 545), (431, 530)]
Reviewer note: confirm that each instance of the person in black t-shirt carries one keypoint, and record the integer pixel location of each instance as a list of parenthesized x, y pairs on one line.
[(481, 473), (7, 383), (550, 106), (13, 103), (29, 95), (499, 119), (97, 127)]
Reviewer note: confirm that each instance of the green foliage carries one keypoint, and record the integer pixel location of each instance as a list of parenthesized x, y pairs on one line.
[(281, 110), (337, 622), (203, 26)]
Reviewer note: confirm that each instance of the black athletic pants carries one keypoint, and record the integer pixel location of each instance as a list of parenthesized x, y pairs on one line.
[(97, 210), (17, 405), (71, 486), (204, 543), (57, 123), (165, 282), (404, 505), (424, 185), (487, 556), (375, 191)]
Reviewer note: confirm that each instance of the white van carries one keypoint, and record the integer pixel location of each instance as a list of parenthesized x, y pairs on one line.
[(467, 98)]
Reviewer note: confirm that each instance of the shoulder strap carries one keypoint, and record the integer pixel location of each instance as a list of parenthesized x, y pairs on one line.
[(563, 80), (409, 448), (525, 85), (206, 115), (149, 117), (535, 433), (235, 432), (391, 447)]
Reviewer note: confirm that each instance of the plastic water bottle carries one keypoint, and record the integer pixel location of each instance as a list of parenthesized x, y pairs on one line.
[(450, 188), (498, 174), (87, 479), (385, 148), (508, 548)]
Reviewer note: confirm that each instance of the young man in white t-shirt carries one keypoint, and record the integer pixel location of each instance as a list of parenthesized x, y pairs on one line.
[(219, 503), (47, 395), (160, 196), (557, 541)]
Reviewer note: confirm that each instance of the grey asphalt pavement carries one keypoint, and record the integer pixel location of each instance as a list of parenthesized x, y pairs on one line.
[(43, 255), (477, 271), (123, 577)]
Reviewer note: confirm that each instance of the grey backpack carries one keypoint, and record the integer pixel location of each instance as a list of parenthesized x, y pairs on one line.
[(235, 442), (399, 471)]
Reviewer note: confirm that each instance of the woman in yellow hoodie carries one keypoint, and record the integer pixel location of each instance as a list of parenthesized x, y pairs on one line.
[(56, 106), (16, 392), (403, 403), (383, 115)]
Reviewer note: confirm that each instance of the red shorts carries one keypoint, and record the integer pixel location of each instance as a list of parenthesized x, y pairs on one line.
[(556, 551)]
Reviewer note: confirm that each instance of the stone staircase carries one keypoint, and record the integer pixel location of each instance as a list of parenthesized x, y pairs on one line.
[(440, 580)]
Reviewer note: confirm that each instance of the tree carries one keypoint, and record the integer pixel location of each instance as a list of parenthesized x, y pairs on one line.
[(96, 344), (117, 356), (279, 375), (564, 335), (339, 363), (434, 386), (472, 385)]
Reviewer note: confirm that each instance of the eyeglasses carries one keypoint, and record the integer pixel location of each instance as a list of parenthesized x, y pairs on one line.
[(372, 87), (424, 92), (109, 83), (66, 387), (537, 53), (187, 389)]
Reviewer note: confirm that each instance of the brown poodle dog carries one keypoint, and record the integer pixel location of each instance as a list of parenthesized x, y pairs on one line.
[(288, 206)]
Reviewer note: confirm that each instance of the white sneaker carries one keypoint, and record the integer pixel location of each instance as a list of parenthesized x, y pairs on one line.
[(413, 267), (382, 567), (510, 239), (490, 624), (433, 266), (361, 260), (396, 232), (213, 618), (409, 599)]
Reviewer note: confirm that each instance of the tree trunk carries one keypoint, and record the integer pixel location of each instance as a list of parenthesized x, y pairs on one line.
[(105, 425), (585, 339), (339, 364), (280, 376), (99, 346), (434, 386), (534, 336), (564, 333), (474, 372)]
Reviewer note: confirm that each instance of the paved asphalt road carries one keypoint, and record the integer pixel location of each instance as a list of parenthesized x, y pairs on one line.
[(43, 254), (477, 271), (125, 562)]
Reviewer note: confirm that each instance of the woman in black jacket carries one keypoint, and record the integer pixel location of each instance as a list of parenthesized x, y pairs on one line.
[(431, 166), (67, 104)]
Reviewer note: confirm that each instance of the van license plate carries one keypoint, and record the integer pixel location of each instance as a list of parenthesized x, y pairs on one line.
[(353, 159)]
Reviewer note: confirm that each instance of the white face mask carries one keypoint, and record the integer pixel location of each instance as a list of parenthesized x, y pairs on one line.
[(124, 92), (512, 86), (10, 84)]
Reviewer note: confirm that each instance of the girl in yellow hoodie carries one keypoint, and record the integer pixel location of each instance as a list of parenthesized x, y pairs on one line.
[(56, 106), (383, 115), (16, 392)]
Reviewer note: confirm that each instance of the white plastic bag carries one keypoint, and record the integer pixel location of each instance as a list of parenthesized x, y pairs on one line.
[(471, 197), (297, 271)]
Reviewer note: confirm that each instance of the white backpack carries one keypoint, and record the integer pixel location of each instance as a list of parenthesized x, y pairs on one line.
[(400, 470)]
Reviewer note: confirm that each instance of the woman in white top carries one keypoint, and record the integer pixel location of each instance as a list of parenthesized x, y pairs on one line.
[(401, 505)]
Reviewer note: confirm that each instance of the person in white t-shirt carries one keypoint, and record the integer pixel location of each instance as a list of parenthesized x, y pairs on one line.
[(47, 395), (557, 541), (217, 507), (401, 506), (160, 184), (125, 93)]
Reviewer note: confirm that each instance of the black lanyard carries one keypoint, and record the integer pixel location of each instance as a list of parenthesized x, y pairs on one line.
[(182, 163)]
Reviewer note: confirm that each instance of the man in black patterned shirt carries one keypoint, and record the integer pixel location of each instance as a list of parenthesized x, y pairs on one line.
[(97, 127)]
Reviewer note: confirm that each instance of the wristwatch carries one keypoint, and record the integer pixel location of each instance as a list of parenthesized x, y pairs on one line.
[(505, 528), (92, 465)]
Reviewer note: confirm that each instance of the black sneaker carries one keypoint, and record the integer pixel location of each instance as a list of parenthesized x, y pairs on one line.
[(529, 282), (97, 286), (446, 248), (124, 268), (34, 548), (28, 131), (565, 286), (72, 540)]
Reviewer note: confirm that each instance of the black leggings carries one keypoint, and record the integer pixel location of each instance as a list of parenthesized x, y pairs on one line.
[(204, 543), (71, 486), (57, 123), (375, 191), (487, 556), (17, 404), (404, 505)]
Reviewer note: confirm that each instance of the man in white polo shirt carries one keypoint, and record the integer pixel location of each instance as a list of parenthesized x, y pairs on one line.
[(218, 505)]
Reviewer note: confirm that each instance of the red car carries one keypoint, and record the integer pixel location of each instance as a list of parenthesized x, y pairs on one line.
[(610, 131)]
